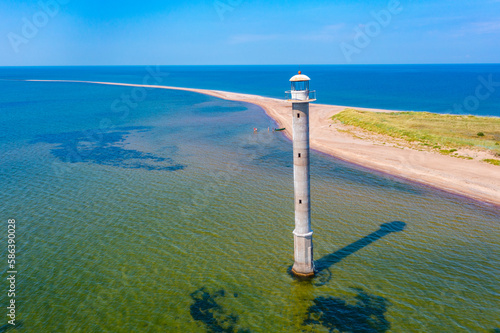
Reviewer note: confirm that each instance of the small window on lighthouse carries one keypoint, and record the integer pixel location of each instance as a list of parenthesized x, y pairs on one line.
[(300, 85), (300, 201), (299, 154), (298, 115)]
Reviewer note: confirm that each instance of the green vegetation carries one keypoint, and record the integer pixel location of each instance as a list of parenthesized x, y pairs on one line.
[(492, 161), (445, 133), (447, 151)]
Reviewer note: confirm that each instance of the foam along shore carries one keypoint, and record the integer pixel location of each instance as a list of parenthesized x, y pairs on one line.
[(471, 178)]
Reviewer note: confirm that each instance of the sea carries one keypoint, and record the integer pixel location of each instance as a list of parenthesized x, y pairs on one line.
[(153, 210)]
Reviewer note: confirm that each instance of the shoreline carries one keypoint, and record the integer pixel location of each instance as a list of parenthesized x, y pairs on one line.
[(467, 178)]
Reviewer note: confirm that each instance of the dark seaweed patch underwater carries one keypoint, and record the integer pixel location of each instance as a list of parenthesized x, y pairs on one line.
[(207, 310), (366, 315), (105, 148)]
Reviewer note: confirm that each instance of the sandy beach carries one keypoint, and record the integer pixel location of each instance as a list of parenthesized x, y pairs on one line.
[(470, 178)]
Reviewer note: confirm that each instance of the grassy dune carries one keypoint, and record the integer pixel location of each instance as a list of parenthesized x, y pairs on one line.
[(443, 133)]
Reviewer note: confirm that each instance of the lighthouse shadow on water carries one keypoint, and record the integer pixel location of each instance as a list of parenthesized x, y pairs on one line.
[(323, 264)]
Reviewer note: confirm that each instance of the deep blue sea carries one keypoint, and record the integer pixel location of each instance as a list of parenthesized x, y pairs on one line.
[(152, 210), (459, 89)]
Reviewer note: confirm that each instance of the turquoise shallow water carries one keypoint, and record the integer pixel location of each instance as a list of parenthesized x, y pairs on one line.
[(175, 217)]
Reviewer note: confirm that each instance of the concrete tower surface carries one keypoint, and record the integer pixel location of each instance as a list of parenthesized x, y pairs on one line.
[(300, 96)]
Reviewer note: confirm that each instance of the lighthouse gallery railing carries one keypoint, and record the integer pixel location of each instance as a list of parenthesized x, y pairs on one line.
[(300, 95)]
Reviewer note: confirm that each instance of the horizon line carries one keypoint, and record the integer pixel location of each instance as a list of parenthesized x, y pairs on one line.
[(229, 65)]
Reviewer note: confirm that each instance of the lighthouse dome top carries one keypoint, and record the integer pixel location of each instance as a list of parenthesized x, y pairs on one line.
[(300, 77)]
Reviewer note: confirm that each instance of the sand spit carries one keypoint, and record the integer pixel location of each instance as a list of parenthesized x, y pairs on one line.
[(471, 178)]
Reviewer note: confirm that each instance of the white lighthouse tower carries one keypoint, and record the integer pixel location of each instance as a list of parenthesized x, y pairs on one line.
[(300, 96)]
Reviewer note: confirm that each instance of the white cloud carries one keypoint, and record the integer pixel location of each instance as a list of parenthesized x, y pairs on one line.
[(485, 27), (477, 28), (252, 38), (328, 33)]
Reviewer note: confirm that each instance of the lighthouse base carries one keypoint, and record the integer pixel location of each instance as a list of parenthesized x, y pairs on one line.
[(303, 275), (303, 250)]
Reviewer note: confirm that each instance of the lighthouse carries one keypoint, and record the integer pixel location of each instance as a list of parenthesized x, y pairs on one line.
[(300, 96)]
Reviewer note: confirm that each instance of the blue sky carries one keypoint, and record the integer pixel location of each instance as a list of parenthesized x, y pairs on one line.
[(199, 32)]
